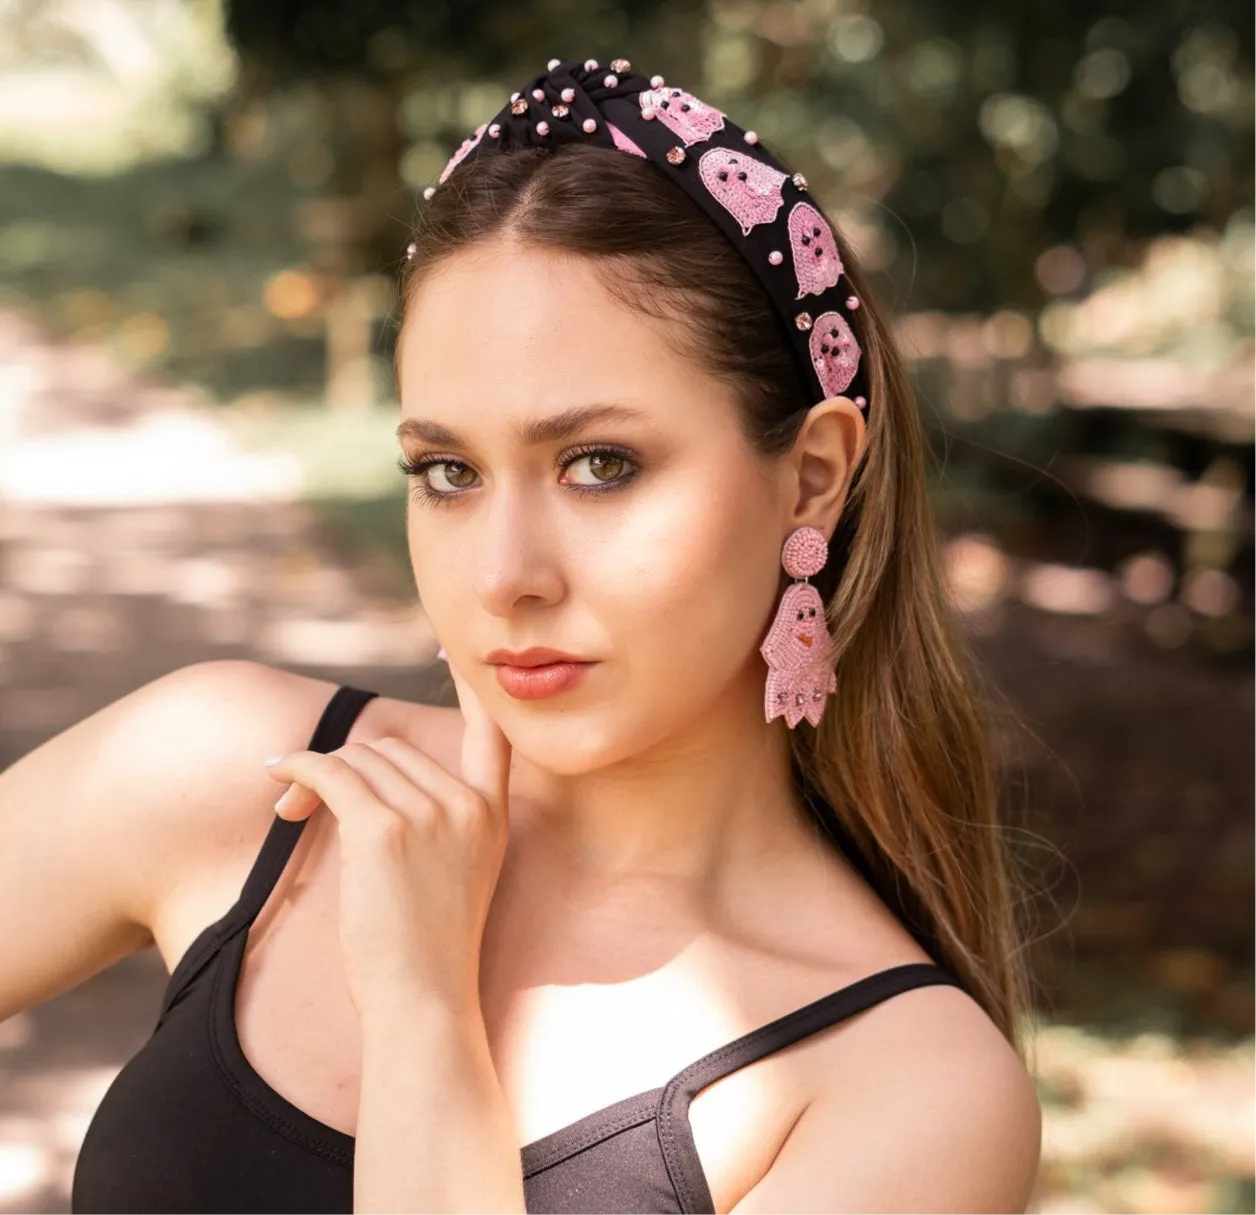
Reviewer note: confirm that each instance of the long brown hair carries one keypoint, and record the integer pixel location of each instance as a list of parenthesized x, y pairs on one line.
[(900, 771)]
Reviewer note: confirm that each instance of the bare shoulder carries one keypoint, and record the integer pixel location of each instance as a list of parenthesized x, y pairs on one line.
[(160, 793), (184, 771), (173, 779), (929, 1109), (214, 723)]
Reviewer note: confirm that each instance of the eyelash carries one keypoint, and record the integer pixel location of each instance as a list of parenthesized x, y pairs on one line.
[(424, 493)]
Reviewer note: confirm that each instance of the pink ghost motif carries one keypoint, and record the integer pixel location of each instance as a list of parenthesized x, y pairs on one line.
[(747, 189), (817, 262), (682, 113), (796, 650), (461, 154), (834, 352), (623, 143)]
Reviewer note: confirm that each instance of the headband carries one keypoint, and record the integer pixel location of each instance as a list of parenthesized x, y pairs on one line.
[(755, 200)]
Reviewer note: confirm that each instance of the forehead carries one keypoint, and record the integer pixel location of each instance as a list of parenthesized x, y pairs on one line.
[(512, 328)]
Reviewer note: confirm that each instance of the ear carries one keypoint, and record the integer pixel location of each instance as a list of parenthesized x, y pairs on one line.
[(829, 447)]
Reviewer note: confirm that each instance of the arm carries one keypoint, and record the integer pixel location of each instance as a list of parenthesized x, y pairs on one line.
[(946, 1119), (434, 1132)]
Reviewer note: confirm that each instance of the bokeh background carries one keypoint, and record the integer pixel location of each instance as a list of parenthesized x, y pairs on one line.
[(202, 209)]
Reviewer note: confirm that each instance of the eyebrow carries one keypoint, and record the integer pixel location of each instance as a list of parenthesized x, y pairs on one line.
[(539, 430)]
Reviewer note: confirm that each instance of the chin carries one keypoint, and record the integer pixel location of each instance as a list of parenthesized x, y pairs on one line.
[(567, 745), (575, 741)]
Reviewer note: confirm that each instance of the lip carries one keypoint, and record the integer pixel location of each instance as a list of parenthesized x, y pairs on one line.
[(536, 656), (540, 682)]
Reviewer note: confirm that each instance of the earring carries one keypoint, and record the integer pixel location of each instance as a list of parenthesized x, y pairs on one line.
[(797, 645)]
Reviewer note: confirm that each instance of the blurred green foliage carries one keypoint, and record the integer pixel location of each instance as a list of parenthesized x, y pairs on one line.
[(958, 142)]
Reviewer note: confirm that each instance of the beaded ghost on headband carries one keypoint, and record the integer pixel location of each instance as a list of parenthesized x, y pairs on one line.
[(753, 198)]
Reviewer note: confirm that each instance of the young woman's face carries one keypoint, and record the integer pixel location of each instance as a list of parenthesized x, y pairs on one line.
[(648, 544)]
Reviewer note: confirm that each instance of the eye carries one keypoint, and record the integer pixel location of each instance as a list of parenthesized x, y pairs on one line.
[(599, 461), (461, 476)]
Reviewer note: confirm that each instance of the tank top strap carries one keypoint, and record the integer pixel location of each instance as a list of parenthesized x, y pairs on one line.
[(333, 727), (673, 1113), (332, 730)]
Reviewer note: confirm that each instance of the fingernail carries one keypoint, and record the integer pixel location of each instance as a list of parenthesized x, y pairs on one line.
[(286, 799), (440, 654), (271, 760)]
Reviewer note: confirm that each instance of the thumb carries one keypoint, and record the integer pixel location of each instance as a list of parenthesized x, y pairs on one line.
[(485, 748)]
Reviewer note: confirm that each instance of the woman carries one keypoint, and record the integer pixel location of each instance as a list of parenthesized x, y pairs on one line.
[(621, 932)]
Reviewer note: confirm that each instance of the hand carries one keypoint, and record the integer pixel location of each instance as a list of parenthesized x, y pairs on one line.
[(421, 851)]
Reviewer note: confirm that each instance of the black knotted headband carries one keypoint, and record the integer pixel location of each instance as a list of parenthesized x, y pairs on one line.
[(759, 204)]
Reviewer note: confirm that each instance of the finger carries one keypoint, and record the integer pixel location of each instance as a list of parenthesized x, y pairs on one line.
[(391, 783), (295, 802), (486, 750), (426, 772), (339, 786)]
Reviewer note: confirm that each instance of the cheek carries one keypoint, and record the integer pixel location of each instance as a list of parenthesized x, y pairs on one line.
[(689, 579)]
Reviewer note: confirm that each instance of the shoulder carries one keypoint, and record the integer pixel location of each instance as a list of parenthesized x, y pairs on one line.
[(932, 1109), (155, 793), (176, 766)]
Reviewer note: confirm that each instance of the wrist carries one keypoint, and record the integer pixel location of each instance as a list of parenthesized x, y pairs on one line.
[(406, 1011)]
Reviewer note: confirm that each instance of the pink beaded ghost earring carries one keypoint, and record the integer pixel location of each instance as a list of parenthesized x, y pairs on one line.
[(797, 645)]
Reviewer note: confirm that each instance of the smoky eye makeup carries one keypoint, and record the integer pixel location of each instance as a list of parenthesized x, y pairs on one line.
[(600, 455)]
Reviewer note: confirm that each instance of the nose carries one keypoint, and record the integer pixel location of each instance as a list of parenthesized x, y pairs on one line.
[(515, 561)]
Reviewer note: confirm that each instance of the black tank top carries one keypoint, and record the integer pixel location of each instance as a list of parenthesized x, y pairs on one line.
[(188, 1125)]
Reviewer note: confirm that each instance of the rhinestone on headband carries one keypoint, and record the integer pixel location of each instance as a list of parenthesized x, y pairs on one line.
[(760, 204)]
